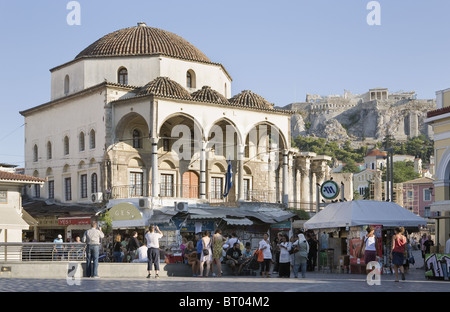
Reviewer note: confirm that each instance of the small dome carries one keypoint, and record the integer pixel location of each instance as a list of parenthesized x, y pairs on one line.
[(143, 40), (376, 152), (163, 86), (250, 99), (206, 94)]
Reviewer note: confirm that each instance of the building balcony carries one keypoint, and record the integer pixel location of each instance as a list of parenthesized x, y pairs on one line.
[(182, 191)]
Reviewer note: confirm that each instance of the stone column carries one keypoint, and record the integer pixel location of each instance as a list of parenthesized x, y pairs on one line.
[(241, 151), (203, 171), (155, 171), (303, 164), (285, 199), (319, 169)]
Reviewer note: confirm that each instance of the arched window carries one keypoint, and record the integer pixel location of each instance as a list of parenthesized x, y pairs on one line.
[(94, 183), (66, 84), (66, 145), (81, 141), (49, 150), (35, 153), (92, 139), (122, 76), (190, 79), (137, 140)]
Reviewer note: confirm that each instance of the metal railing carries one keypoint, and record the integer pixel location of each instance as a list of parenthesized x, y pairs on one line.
[(42, 252), (169, 190), (127, 191)]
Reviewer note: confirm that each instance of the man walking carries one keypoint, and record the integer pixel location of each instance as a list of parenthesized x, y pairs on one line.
[(92, 239), (153, 249)]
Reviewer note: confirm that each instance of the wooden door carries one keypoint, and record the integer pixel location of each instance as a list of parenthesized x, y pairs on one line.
[(190, 185)]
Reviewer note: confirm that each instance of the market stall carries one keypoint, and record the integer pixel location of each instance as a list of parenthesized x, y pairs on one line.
[(345, 224)]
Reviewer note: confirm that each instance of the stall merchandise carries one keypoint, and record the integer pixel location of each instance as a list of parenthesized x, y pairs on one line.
[(352, 219)]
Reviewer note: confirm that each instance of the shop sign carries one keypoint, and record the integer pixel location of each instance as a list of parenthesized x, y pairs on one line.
[(286, 225), (45, 222), (190, 225), (74, 221), (124, 211), (329, 189)]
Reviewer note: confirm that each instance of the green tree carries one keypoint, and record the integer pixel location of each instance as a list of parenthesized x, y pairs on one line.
[(106, 220), (403, 171), (350, 166)]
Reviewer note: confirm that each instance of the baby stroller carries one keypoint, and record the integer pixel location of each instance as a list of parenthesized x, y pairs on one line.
[(251, 265)]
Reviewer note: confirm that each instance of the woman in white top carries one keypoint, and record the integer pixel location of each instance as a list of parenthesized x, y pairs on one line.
[(264, 246), (369, 244), (284, 267), (206, 256)]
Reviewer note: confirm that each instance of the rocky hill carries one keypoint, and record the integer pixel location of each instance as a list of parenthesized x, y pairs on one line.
[(362, 119)]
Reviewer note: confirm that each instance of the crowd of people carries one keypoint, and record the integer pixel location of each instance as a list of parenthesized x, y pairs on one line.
[(283, 255), (206, 254)]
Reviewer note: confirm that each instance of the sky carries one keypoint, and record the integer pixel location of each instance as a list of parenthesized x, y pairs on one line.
[(281, 50)]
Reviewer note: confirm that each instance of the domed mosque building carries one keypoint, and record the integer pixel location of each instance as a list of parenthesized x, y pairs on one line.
[(143, 118)]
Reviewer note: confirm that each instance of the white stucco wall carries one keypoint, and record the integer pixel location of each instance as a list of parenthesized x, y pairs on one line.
[(89, 72), (52, 124)]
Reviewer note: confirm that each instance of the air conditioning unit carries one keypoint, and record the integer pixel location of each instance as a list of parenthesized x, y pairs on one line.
[(181, 207), (97, 197), (144, 203)]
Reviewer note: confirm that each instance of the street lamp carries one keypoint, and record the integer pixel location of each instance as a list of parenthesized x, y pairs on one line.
[(390, 174)]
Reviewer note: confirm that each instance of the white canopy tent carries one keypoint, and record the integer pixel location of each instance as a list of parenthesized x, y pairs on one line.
[(364, 212)]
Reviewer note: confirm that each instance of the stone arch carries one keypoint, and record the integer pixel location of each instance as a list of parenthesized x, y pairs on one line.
[(128, 124), (66, 168), (443, 169), (182, 135), (225, 138), (167, 165), (49, 172), (260, 139)]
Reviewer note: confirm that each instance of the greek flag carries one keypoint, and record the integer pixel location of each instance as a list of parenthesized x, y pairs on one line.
[(228, 179)]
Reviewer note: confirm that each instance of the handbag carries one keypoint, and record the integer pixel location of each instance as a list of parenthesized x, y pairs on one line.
[(206, 250), (260, 256), (294, 249)]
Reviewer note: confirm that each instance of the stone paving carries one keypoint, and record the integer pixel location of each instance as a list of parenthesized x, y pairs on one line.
[(314, 282)]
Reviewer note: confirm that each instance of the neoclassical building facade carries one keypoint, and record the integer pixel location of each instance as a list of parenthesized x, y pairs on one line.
[(142, 113)]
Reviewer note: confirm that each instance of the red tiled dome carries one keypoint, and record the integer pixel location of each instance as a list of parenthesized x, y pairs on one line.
[(376, 152), (249, 99), (207, 94), (143, 40), (163, 86)]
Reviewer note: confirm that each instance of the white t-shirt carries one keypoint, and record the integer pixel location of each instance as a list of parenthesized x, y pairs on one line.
[(284, 253), (153, 239), (266, 252), (370, 243)]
